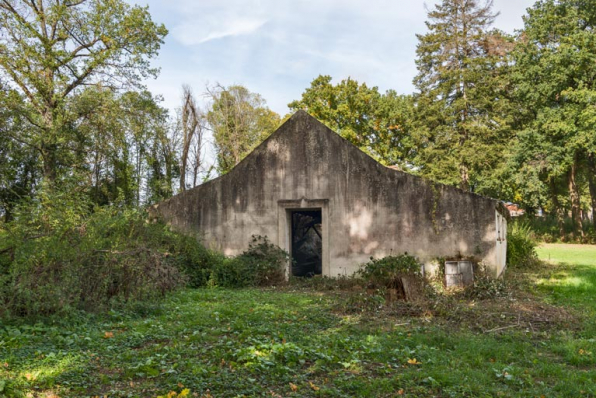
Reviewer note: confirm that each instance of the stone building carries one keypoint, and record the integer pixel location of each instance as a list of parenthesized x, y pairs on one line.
[(333, 207)]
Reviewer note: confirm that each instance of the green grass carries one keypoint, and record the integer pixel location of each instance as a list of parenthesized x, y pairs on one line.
[(582, 255), (293, 342), (572, 278)]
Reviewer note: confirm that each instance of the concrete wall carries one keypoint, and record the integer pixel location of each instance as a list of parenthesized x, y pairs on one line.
[(368, 209)]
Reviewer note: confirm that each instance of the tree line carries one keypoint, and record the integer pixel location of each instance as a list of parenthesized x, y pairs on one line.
[(508, 116)]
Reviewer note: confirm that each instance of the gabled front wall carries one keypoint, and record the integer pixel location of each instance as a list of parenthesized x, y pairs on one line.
[(368, 209)]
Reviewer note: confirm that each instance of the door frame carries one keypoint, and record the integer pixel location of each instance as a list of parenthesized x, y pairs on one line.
[(284, 221)]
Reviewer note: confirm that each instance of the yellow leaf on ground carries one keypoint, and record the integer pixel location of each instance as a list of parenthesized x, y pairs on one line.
[(293, 387), (315, 388), (184, 393), (108, 335), (413, 361)]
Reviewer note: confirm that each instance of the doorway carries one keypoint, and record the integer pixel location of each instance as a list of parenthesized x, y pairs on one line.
[(307, 242)]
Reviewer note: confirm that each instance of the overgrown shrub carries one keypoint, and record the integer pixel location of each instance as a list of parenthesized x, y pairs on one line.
[(521, 245), (487, 287), (59, 254), (195, 260), (387, 271), (400, 275), (263, 264)]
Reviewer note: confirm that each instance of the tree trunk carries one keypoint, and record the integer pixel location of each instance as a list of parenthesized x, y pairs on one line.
[(190, 122), (557, 209), (183, 171), (48, 155), (49, 148), (592, 185), (195, 173), (464, 183), (574, 197)]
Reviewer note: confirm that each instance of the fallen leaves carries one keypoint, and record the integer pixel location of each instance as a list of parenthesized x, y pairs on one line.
[(173, 394), (413, 361), (108, 335)]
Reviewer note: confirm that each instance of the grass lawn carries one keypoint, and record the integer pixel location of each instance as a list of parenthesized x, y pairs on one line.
[(572, 279), (583, 255), (532, 336)]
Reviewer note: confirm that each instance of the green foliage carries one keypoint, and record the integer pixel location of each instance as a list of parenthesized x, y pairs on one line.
[(387, 271), (521, 245), (487, 287), (364, 302), (256, 342), (326, 283), (240, 120), (263, 264), (554, 74), (379, 124), (130, 156), (551, 229), (12, 389), (194, 260), (53, 49), (464, 116), (58, 255), (19, 163)]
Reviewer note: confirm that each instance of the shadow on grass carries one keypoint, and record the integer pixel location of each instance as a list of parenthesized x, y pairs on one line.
[(573, 285)]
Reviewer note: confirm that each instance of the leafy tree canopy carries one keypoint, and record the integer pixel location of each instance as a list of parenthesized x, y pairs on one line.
[(52, 48), (240, 120), (377, 123)]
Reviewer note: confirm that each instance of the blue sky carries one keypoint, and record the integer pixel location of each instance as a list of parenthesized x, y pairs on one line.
[(277, 47)]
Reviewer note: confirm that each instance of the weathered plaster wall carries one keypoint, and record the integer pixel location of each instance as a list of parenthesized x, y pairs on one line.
[(368, 209)]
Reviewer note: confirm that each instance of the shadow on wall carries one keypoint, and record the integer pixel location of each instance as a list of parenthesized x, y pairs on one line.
[(381, 234)]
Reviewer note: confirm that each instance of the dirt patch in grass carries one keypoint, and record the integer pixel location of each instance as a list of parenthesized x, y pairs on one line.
[(486, 316), (496, 316), (494, 307)]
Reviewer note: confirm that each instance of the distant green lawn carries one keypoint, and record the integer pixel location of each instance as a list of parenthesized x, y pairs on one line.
[(573, 278), (583, 255), (293, 342)]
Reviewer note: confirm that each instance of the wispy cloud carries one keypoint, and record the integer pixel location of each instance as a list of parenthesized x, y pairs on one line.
[(277, 47), (188, 33)]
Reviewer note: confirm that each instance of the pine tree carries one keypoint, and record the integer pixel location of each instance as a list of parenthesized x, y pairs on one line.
[(463, 111)]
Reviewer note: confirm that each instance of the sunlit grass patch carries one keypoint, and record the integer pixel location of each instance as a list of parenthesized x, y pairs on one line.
[(571, 279), (568, 253)]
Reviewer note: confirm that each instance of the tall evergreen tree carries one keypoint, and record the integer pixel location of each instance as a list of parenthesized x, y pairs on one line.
[(556, 78), (463, 111)]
